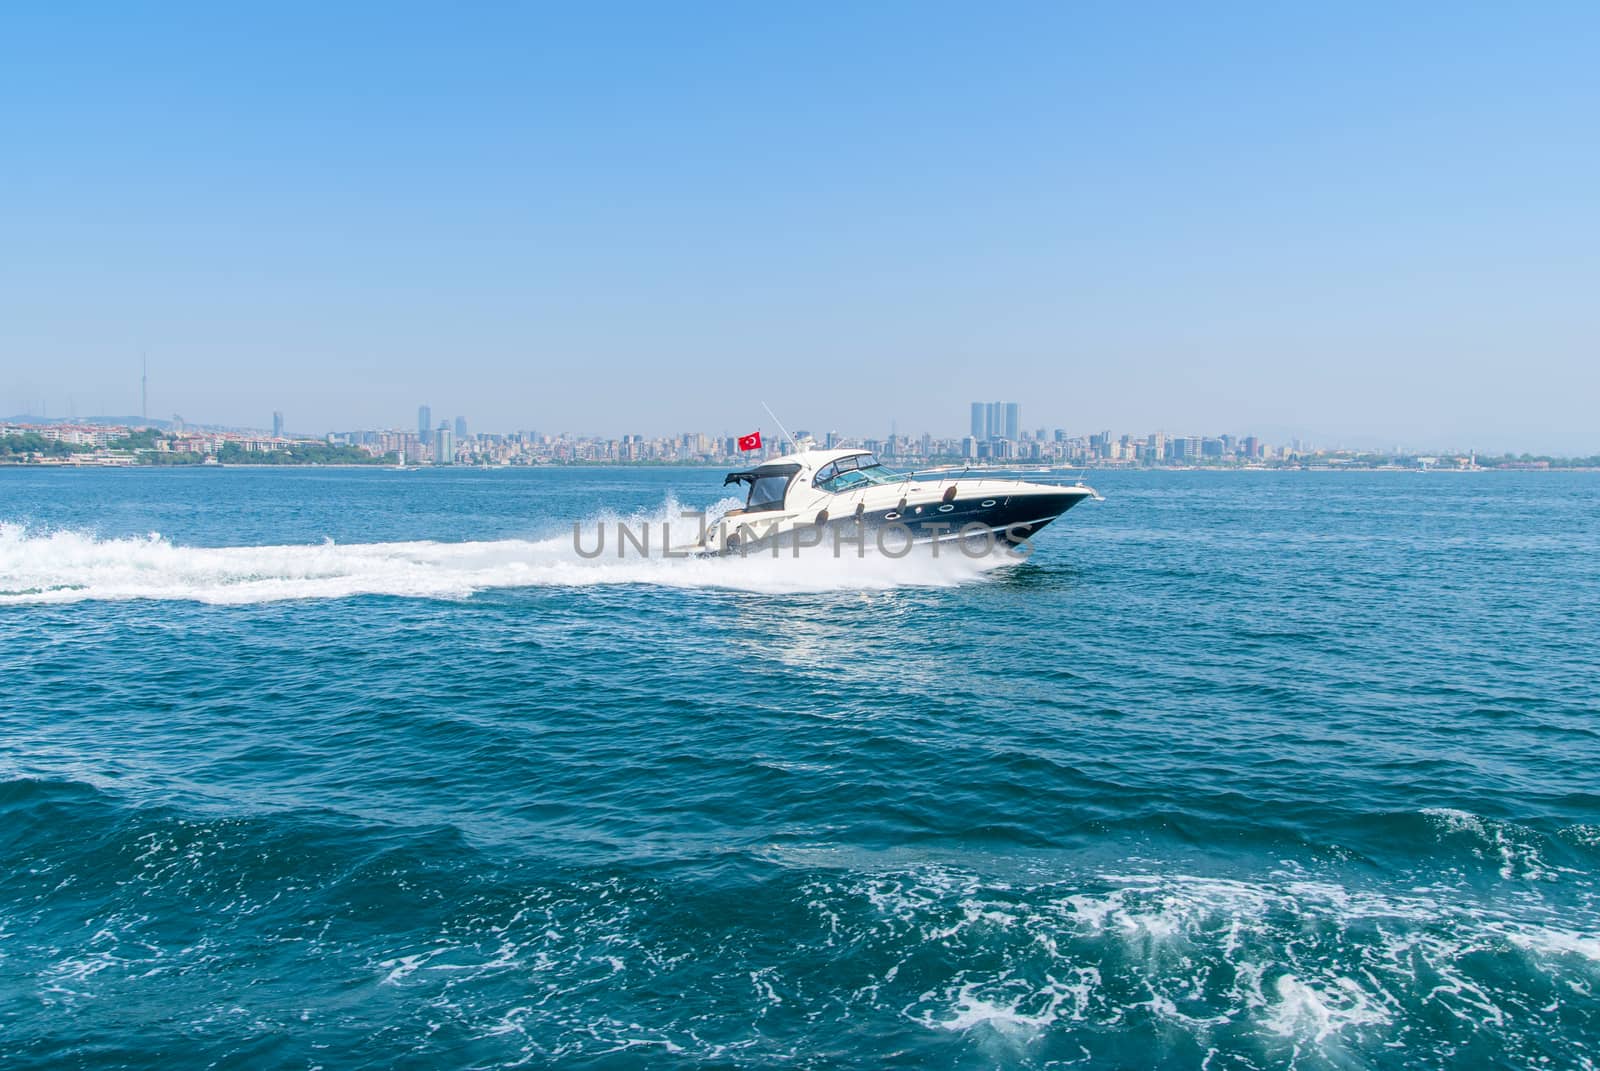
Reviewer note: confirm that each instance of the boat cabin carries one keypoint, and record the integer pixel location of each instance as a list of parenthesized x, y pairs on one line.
[(829, 471)]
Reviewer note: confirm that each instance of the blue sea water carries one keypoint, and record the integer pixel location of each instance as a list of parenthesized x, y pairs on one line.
[(347, 769)]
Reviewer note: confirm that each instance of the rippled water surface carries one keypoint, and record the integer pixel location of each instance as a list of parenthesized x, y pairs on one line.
[(335, 768)]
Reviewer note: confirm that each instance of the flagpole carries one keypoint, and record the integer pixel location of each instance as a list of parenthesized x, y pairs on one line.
[(781, 428)]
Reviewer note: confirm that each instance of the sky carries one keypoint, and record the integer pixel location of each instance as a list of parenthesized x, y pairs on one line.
[(1362, 224)]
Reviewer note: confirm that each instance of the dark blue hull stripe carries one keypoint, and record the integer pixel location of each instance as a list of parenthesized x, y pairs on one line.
[(1011, 519)]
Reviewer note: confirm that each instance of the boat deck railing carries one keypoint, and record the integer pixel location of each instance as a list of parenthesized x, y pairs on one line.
[(1040, 474)]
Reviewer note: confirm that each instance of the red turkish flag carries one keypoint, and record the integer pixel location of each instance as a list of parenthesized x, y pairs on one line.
[(751, 441)]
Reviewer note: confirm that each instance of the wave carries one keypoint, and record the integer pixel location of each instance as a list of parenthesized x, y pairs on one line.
[(1041, 967), (66, 566), (1284, 966), (1515, 850)]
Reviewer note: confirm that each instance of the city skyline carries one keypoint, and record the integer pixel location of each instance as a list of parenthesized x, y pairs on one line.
[(996, 434), (1357, 434), (99, 445)]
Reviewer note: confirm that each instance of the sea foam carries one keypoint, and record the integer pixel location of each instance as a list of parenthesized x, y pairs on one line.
[(65, 566)]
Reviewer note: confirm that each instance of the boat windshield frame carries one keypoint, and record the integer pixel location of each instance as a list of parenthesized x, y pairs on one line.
[(855, 472)]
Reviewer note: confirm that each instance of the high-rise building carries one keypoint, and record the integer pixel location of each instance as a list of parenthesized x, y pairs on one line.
[(1186, 448), (277, 425), (461, 428), (996, 420), (424, 422), (444, 446)]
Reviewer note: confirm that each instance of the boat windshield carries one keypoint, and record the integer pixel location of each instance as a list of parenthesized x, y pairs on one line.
[(766, 492), (858, 470)]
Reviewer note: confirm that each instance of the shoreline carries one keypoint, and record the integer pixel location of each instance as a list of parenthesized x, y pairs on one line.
[(1086, 471)]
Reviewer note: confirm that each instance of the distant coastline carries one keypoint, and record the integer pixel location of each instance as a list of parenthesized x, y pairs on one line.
[(76, 465), (94, 445)]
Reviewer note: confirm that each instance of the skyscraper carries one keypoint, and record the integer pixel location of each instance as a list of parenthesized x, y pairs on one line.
[(996, 420), (277, 425), (444, 446), (424, 422), (461, 428)]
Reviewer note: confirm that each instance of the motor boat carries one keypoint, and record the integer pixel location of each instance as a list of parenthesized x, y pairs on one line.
[(803, 498)]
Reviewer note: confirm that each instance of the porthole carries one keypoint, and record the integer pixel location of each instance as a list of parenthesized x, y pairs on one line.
[(988, 502), (891, 516), (946, 509)]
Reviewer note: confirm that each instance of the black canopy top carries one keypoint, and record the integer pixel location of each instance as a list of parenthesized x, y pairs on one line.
[(761, 473)]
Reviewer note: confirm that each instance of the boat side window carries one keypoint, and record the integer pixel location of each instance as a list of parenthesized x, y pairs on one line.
[(766, 492)]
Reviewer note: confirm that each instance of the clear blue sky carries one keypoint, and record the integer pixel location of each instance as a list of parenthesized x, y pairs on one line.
[(1368, 224)]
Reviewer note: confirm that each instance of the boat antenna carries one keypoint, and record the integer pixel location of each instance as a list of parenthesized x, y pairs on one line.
[(781, 428)]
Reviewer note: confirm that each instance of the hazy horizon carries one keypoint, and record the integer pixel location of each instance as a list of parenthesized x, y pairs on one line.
[(1271, 435), (1361, 226)]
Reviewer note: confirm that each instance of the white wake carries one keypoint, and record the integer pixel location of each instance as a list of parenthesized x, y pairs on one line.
[(64, 566)]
